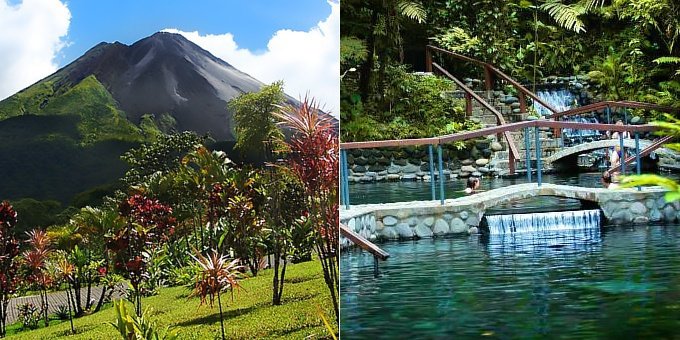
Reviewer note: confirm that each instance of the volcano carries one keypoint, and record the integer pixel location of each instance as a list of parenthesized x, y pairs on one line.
[(164, 74), (63, 136)]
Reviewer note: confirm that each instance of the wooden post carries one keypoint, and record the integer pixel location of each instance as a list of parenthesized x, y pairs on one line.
[(522, 102), (428, 60), (468, 105), (488, 78), (511, 162)]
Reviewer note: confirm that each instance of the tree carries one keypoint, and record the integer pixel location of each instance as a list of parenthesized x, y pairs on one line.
[(9, 249), (162, 156), (255, 126), (66, 272), (148, 224), (313, 158)]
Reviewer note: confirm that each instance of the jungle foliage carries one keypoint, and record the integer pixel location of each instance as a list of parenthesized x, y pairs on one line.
[(628, 48)]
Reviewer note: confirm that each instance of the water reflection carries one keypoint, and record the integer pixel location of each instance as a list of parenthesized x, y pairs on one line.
[(621, 282)]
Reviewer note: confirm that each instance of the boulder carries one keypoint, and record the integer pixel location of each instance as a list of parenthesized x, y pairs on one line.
[(390, 220), (441, 227), (393, 170), (410, 169), (393, 177), (468, 168), (409, 177), (359, 169), (423, 231), (467, 162), (428, 221), (482, 162), (496, 146), (458, 226), (404, 230), (360, 161), (400, 162), (389, 233)]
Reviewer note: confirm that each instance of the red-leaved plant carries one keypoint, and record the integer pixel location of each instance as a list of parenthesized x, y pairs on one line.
[(313, 157), (35, 261), (149, 224), (9, 249)]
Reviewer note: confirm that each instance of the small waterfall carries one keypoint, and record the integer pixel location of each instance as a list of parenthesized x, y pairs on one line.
[(559, 99), (542, 222)]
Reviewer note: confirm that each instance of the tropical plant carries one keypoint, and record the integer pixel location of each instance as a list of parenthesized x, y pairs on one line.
[(313, 158), (9, 249), (149, 224), (66, 273), (133, 327), (217, 274), (35, 262), (254, 125), (29, 315), (669, 127)]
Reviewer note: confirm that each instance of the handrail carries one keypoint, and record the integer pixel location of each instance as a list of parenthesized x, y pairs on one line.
[(644, 152), (499, 117), (492, 68), (500, 129), (604, 104), (363, 243)]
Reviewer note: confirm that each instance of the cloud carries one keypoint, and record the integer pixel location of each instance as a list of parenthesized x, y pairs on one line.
[(307, 62), (31, 35)]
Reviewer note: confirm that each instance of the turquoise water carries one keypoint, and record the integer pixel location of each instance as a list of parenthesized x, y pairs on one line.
[(609, 283)]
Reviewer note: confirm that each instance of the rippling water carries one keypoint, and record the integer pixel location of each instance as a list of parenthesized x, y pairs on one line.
[(615, 283)]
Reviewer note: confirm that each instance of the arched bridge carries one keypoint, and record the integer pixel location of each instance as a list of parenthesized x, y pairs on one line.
[(406, 220), (604, 144)]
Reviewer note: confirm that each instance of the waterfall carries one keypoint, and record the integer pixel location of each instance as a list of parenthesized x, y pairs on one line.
[(559, 99), (540, 222)]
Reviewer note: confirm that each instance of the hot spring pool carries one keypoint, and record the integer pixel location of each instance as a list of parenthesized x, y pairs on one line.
[(613, 282)]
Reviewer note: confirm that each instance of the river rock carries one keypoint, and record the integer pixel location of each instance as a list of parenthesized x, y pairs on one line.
[(473, 230), (655, 215), (376, 168), (482, 162), (409, 177), (390, 220), (669, 213), (464, 214), (441, 227), (476, 174), (410, 169), (458, 226), (359, 169), (514, 105), (464, 174), (389, 233), (483, 170), (393, 170), (360, 161), (393, 177), (468, 168), (472, 220), (637, 208), (404, 230), (496, 146), (467, 162), (622, 216), (428, 221), (423, 231), (641, 220), (371, 174), (400, 162)]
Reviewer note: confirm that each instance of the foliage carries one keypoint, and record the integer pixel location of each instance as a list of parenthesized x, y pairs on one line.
[(9, 249), (149, 224), (250, 315), (132, 327), (669, 127), (35, 263), (29, 315), (254, 125), (352, 51), (162, 156), (313, 159)]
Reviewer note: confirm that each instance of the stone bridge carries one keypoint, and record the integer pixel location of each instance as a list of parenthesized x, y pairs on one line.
[(603, 144), (422, 219)]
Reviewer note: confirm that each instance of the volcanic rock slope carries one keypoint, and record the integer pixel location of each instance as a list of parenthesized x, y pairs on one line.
[(164, 74)]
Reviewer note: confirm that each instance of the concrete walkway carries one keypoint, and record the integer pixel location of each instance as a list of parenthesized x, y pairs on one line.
[(54, 299)]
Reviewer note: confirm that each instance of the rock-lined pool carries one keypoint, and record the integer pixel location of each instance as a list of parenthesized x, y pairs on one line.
[(611, 283)]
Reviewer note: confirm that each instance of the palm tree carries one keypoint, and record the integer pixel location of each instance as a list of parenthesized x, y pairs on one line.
[(217, 274), (66, 272)]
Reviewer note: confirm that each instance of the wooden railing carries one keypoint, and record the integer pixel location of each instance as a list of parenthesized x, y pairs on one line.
[(378, 254), (513, 153), (656, 144), (612, 104), (465, 135), (490, 72)]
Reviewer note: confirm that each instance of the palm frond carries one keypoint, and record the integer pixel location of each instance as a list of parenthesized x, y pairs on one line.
[(413, 10), (644, 180), (567, 16), (667, 60)]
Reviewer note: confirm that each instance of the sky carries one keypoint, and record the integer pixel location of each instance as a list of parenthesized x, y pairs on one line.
[(296, 41)]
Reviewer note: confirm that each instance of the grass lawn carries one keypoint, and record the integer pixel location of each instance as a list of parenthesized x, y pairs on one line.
[(250, 316)]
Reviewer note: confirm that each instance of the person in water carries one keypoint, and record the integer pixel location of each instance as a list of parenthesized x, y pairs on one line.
[(472, 185), (610, 181)]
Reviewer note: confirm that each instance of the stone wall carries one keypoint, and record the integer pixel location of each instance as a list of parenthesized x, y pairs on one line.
[(426, 219)]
